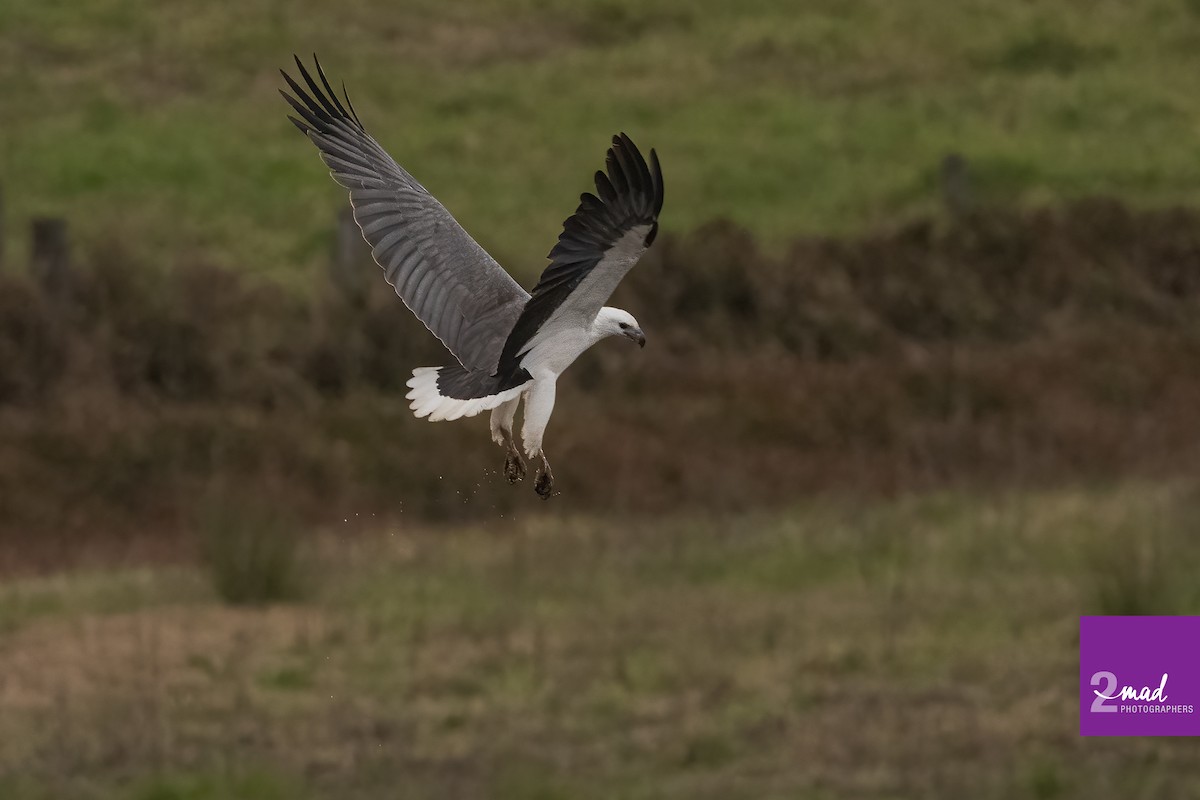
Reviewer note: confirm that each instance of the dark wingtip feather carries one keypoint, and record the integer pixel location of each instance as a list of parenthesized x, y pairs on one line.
[(635, 184), (306, 113), (329, 108), (637, 174), (353, 113), (318, 105), (302, 126), (616, 171), (604, 188), (329, 89), (656, 174)]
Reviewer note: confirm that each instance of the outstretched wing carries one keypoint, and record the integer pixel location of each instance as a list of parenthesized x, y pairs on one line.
[(453, 286), (599, 244)]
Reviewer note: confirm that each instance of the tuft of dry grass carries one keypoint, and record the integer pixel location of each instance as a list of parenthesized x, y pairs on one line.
[(252, 552), (1145, 563)]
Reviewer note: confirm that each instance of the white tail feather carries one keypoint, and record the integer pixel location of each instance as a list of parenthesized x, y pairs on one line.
[(428, 402)]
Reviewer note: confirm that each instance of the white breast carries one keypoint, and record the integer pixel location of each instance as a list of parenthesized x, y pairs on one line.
[(552, 351)]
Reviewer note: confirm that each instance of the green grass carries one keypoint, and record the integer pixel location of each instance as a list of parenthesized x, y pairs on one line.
[(249, 786), (96, 592), (924, 647), (160, 124)]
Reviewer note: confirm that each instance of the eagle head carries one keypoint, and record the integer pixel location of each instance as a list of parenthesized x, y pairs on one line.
[(617, 322)]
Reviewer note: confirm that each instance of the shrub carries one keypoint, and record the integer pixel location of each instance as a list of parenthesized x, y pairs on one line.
[(252, 553), (1145, 566)]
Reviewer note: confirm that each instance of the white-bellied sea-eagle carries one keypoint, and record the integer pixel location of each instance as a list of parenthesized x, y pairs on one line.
[(509, 344)]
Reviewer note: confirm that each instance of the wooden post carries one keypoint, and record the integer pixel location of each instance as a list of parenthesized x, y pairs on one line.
[(50, 254), (348, 271)]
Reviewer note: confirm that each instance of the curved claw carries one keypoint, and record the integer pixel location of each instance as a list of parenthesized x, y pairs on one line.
[(514, 467), (544, 482)]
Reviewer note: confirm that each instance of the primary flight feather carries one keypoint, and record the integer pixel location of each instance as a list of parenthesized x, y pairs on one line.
[(509, 345)]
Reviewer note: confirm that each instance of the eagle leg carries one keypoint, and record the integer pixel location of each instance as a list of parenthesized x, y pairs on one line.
[(514, 465), (544, 482), (502, 420)]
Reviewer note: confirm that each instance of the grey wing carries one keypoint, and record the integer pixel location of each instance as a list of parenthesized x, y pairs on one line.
[(444, 277)]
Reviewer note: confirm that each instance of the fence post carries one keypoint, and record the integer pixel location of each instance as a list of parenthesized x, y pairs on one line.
[(347, 271), (50, 255)]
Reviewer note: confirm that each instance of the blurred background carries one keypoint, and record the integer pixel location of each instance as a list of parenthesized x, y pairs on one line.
[(921, 388)]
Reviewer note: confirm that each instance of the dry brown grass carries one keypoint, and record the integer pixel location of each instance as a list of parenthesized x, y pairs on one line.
[(1004, 347)]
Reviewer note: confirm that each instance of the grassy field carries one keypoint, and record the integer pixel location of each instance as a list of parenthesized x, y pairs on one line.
[(922, 647), (678, 624), (159, 124)]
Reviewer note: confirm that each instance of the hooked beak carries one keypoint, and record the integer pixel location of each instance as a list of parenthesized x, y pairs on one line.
[(637, 335)]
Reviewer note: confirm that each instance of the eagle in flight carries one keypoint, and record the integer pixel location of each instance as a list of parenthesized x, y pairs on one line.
[(509, 345)]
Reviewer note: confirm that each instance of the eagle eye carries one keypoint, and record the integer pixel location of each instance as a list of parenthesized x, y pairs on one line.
[(624, 325)]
